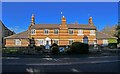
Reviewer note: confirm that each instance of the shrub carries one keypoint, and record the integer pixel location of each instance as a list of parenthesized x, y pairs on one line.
[(68, 51), (55, 50), (54, 44), (39, 48), (79, 48), (10, 50), (112, 45)]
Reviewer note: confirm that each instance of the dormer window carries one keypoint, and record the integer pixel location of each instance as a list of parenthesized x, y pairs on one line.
[(33, 31)]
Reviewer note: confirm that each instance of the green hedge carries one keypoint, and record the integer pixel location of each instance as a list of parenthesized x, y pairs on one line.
[(79, 48), (112, 40)]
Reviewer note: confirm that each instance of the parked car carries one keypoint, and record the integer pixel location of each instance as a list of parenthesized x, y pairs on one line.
[(61, 49)]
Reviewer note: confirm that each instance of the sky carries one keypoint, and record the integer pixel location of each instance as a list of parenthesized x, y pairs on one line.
[(17, 15)]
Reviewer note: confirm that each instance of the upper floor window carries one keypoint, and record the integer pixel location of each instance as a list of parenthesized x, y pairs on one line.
[(71, 31), (92, 32), (33, 31), (80, 32), (17, 42), (46, 31), (56, 31)]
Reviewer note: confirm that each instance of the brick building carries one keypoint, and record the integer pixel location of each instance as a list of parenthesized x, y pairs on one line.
[(62, 34)]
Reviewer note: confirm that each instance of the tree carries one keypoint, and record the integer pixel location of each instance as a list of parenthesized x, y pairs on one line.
[(118, 33), (110, 30)]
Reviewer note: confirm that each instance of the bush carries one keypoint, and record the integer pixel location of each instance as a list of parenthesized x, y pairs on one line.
[(112, 45), (54, 44), (55, 50), (39, 48), (10, 50), (79, 48)]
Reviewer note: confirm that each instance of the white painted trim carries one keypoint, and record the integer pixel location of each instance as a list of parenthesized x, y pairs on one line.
[(31, 31), (70, 39), (92, 34), (73, 31), (40, 39), (54, 31), (44, 31), (57, 40), (81, 32), (16, 41)]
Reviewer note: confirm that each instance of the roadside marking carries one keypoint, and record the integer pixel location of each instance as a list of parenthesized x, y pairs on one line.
[(103, 57), (10, 58), (74, 70), (105, 61)]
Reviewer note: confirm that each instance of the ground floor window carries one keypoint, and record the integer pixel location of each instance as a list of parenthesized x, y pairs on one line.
[(56, 41), (41, 42), (105, 42), (17, 42), (70, 42)]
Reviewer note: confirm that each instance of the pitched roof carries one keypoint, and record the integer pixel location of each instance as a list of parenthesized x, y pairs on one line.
[(45, 26), (53, 26), (81, 26), (101, 35), (19, 35)]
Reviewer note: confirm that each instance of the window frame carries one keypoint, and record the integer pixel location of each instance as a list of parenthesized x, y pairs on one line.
[(56, 40), (57, 31), (92, 32), (45, 31), (33, 31), (39, 41), (71, 30), (17, 43), (80, 32), (71, 40)]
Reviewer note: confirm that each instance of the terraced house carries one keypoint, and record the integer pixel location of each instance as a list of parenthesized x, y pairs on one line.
[(62, 34)]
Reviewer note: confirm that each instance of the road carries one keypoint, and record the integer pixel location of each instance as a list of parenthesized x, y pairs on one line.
[(71, 65)]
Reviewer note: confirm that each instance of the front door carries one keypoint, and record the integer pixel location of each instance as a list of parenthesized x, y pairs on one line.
[(47, 41)]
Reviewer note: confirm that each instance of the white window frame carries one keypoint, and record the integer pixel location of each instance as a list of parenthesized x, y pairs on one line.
[(33, 31), (71, 30), (18, 42), (92, 32), (41, 40), (57, 30), (71, 40), (105, 42), (45, 32), (56, 40), (80, 32)]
